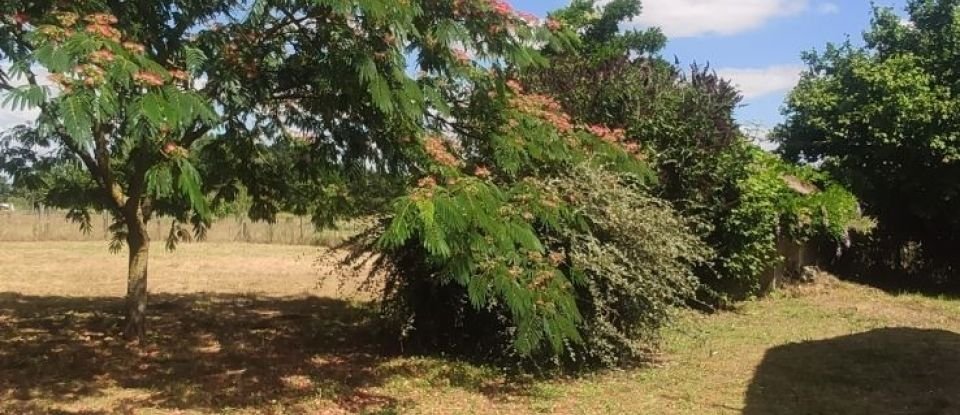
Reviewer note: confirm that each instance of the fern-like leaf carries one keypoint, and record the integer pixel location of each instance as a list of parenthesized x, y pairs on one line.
[(77, 120)]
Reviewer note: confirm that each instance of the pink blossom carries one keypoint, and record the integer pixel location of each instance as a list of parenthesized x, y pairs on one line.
[(427, 183), (530, 18), (482, 172), (461, 55), (148, 78), (501, 7), (554, 24)]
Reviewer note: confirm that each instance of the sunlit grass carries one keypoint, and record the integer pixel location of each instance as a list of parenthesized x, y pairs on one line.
[(245, 329)]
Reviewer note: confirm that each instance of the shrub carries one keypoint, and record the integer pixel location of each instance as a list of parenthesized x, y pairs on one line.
[(685, 119), (635, 260), (591, 282), (548, 247), (778, 200)]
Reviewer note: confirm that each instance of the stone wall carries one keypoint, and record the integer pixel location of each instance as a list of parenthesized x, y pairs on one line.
[(797, 258)]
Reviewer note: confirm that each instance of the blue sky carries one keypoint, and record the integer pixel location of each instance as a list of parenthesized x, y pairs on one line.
[(755, 43)]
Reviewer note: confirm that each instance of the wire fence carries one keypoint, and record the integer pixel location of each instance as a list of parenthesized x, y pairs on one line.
[(51, 225)]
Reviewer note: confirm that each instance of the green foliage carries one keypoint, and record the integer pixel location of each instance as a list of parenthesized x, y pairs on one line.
[(779, 200), (469, 236), (507, 247), (683, 120), (118, 114), (745, 234), (707, 169), (321, 103), (635, 261), (883, 117), (601, 31), (25, 97)]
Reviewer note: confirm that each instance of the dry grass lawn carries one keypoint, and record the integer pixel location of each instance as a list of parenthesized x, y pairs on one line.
[(87, 269), (246, 329)]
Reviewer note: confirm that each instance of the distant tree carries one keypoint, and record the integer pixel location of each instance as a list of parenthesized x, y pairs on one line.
[(885, 119)]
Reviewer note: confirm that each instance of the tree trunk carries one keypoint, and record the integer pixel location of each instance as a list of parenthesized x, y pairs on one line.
[(138, 241)]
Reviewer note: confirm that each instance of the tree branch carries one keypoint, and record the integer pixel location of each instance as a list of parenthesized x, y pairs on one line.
[(101, 151), (194, 135), (114, 193), (99, 164)]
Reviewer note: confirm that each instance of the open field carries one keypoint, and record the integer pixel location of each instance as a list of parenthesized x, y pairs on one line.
[(87, 269), (246, 329)]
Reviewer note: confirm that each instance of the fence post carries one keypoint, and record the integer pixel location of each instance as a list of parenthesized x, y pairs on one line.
[(301, 231), (106, 226), (39, 226)]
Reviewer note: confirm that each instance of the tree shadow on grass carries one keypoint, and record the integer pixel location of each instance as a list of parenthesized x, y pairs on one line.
[(205, 352), (886, 371)]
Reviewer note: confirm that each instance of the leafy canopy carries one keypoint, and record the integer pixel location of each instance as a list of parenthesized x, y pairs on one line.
[(344, 91), (480, 253), (684, 120), (127, 119)]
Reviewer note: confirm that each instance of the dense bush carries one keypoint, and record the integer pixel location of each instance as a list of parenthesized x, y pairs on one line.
[(539, 240), (779, 200), (535, 235), (635, 259), (684, 121), (707, 168)]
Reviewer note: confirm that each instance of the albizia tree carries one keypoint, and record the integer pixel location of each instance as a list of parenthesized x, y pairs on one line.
[(132, 92), (527, 235), (332, 82), (150, 97), (115, 132)]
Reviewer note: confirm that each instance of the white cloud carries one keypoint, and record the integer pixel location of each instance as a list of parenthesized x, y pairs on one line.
[(828, 8), (758, 82), (690, 18), (10, 118)]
